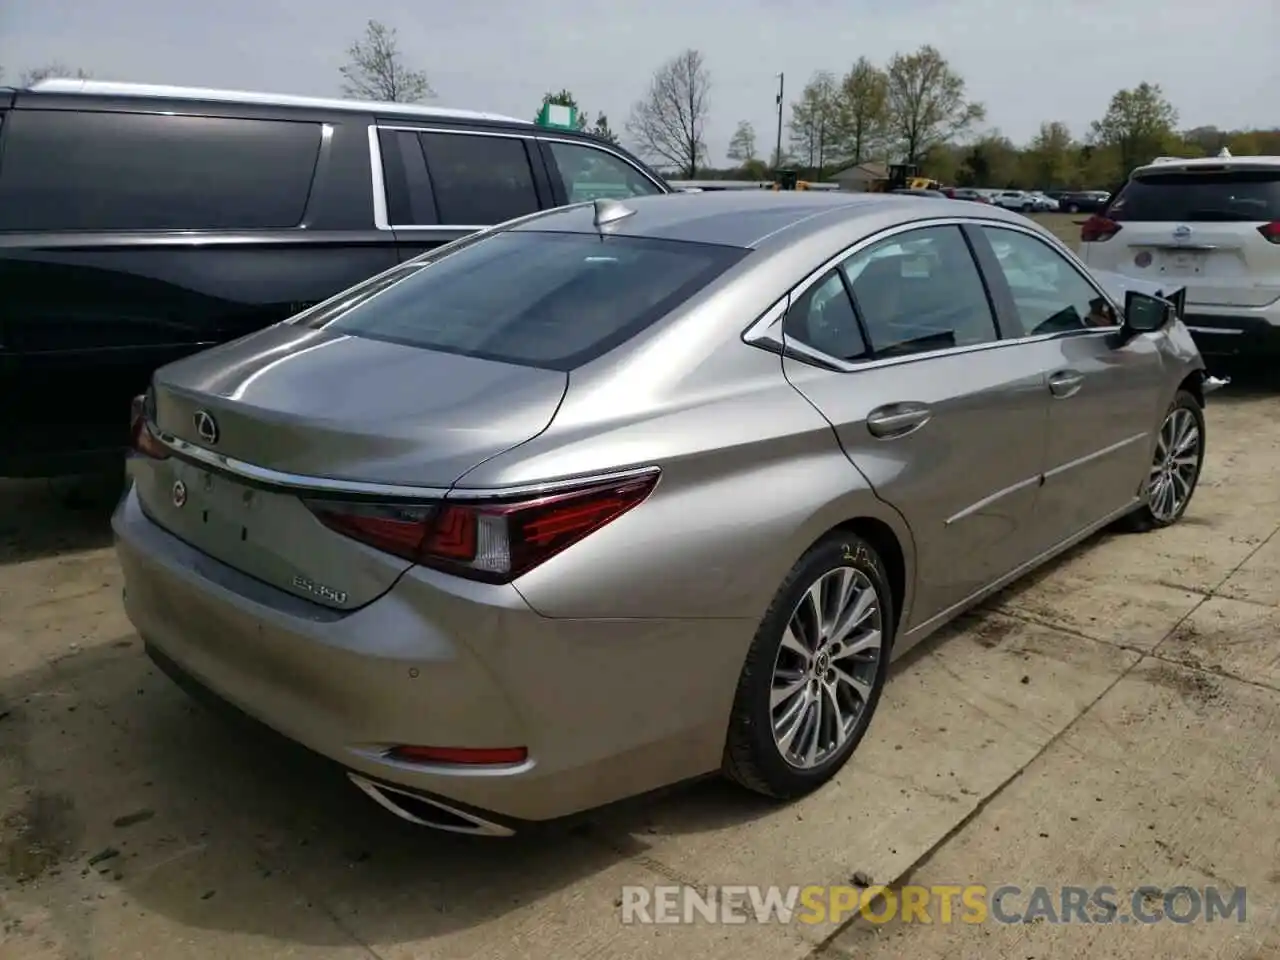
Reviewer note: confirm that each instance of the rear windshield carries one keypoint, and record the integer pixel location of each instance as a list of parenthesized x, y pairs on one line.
[(550, 300), (1249, 196)]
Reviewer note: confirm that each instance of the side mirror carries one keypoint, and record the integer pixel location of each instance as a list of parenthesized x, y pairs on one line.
[(1144, 313)]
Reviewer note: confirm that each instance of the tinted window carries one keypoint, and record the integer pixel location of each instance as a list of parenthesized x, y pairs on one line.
[(121, 171), (1241, 195), (1048, 291), (920, 291), (588, 173), (538, 299), (479, 181), (823, 318)]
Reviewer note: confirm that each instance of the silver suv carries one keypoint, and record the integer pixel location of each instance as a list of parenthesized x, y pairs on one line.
[(1210, 225)]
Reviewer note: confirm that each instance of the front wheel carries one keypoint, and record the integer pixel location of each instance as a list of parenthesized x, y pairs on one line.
[(1073, 208), (1026, 208), (814, 672), (1175, 466)]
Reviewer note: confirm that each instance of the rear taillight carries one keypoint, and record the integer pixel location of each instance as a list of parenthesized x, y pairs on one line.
[(1270, 232), (1098, 229), (141, 438), (491, 540)]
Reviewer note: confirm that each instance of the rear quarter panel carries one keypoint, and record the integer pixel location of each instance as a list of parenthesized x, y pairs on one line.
[(751, 477)]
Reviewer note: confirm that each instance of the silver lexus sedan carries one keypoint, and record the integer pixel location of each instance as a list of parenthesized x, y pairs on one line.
[(624, 493)]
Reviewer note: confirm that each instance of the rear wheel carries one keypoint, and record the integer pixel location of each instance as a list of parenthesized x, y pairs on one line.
[(1175, 466), (814, 673), (1073, 208), (1026, 208)]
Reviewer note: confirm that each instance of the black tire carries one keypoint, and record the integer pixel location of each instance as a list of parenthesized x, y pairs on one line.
[(752, 756), (1026, 208), (1144, 518), (1073, 208)]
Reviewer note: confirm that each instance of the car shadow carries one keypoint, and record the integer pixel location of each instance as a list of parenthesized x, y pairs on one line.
[(47, 518), (133, 790)]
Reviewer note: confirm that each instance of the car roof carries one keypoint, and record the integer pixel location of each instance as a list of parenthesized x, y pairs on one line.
[(751, 219), (108, 88), (1173, 164)]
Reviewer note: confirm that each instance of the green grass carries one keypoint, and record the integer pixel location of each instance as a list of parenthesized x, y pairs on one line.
[(1064, 226)]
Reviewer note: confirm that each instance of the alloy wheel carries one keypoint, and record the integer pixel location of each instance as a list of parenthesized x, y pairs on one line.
[(825, 671), (1175, 467)]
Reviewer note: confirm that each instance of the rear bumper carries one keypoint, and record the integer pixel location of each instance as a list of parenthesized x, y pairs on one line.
[(1233, 336), (600, 705)]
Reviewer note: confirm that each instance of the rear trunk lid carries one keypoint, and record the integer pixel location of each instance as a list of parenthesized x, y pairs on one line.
[(1198, 227), (318, 406)]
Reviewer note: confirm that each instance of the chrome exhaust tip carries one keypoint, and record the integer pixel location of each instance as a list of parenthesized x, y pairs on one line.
[(426, 811), (1212, 384)]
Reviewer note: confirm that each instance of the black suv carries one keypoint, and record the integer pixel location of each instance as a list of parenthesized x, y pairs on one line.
[(139, 224)]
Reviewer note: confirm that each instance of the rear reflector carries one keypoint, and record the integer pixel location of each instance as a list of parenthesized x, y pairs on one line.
[(141, 439), (491, 756), (1098, 229), (490, 540), (1270, 232)]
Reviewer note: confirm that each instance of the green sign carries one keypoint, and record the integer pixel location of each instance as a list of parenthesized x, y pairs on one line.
[(559, 116)]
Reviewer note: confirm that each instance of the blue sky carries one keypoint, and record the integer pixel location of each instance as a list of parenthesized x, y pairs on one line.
[(1027, 60)]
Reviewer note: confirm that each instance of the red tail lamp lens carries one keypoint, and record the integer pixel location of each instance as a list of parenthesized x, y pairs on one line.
[(490, 540)]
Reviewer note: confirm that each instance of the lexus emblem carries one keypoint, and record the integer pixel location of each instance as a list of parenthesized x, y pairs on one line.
[(206, 427), (1182, 232), (179, 493)]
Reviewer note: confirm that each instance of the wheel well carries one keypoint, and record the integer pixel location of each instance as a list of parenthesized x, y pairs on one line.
[(881, 537), (1193, 383)]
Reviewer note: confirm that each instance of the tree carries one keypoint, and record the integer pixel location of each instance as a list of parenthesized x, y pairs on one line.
[(926, 103), (602, 129), (565, 99), (376, 70), (742, 145), (992, 161), (812, 126), (56, 69), (669, 124), (861, 111), (1139, 125), (1050, 157)]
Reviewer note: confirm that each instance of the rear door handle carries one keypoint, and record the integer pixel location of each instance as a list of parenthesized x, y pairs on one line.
[(897, 419), (1065, 383)]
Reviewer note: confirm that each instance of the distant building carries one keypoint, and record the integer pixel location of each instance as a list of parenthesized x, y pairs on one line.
[(861, 177)]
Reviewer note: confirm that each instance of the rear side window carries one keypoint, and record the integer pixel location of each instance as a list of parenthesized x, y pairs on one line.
[(920, 291), (65, 170), (589, 174), (1225, 196), (550, 300), (479, 181)]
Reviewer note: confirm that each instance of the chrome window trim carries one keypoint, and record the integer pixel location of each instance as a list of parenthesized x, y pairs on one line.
[(761, 332), (380, 221), (304, 483), (380, 216)]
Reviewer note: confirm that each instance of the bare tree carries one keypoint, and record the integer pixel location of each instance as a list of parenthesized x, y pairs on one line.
[(669, 124), (742, 146), (926, 103), (377, 72), (50, 70), (813, 119)]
